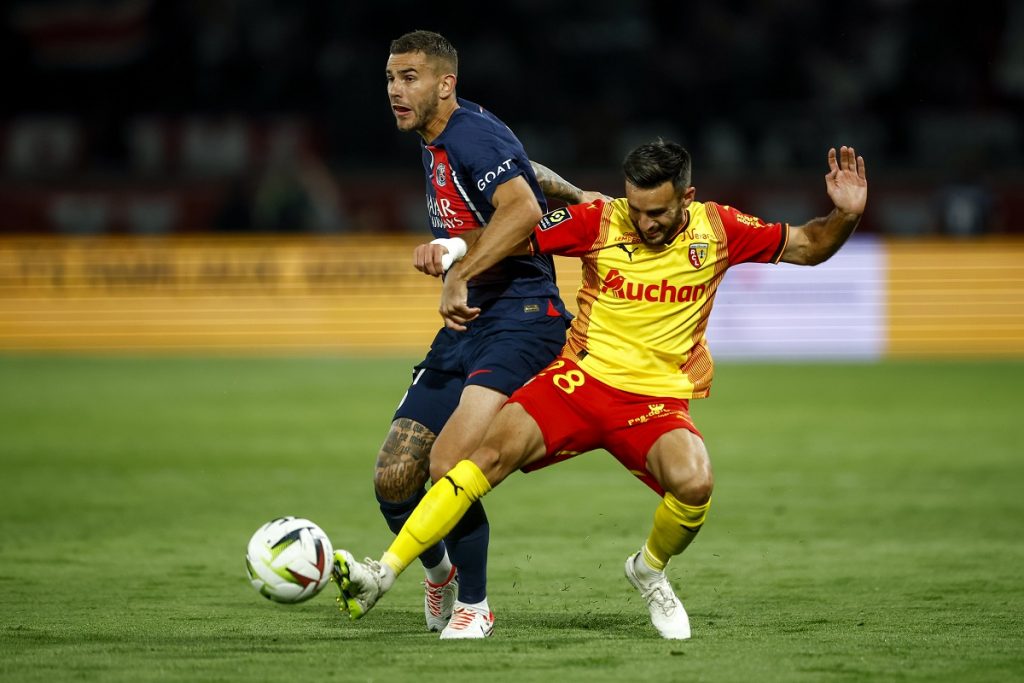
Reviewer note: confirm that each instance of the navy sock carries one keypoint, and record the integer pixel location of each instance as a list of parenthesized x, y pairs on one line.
[(395, 515), (467, 547)]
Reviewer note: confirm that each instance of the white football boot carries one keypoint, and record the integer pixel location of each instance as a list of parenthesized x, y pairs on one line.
[(468, 622), (439, 600), (361, 583), (667, 613)]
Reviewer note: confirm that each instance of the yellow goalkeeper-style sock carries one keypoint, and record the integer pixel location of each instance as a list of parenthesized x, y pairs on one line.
[(675, 525), (437, 514)]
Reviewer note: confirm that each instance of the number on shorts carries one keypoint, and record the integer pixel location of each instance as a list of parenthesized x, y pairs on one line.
[(568, 381)]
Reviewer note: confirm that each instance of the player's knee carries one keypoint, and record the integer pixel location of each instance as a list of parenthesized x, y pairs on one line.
[(693, 484), (487, 459), (493, 463), (396, 481), (397, 485), (696, 491), (403, 462), (440, 467)]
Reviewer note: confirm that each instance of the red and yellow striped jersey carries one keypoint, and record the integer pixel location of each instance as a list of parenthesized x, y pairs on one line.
[(643, 310)]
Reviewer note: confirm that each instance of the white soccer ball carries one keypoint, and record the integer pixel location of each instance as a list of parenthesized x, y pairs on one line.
[(289, 559)]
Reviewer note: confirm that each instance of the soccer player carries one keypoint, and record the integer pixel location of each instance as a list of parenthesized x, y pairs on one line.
[(635, 355), (477, 174)]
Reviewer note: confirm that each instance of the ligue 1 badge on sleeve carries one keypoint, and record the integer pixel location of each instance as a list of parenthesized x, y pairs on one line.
[(553, 218)]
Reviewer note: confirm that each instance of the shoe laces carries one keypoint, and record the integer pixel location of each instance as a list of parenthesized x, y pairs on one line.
[(436, 591), (373, 568), (435, 597), (462, 618), (660, 593)]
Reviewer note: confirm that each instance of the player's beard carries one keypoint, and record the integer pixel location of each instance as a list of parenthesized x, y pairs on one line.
[(664, 236), (421, 118), (657, 242)]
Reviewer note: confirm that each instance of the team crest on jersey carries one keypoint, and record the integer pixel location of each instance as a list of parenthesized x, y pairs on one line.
[(698, 253), (441, 174), (553, 218)]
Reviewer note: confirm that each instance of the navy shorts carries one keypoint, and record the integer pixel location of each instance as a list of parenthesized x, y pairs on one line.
[(499, 352)]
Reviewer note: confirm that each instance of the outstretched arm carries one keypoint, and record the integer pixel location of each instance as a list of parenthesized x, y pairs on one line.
[(847, 186)]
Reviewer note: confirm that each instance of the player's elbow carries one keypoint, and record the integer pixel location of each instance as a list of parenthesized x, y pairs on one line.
[(530, 216), (810, 250), (815, 257), (821, 253)]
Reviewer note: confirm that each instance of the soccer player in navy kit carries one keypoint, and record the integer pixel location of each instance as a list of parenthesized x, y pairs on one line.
[(477, 174)]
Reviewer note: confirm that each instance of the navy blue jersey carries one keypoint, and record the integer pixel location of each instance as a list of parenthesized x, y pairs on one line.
[(464, 165)]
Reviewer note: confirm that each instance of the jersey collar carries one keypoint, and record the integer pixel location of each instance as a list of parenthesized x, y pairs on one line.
[(681, 229)]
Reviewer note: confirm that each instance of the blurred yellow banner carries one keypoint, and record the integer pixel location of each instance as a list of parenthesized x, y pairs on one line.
[(956, 298), (361, 295), (252, 294)]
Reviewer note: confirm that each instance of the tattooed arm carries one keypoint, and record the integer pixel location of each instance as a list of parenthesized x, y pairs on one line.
[(555, 186)]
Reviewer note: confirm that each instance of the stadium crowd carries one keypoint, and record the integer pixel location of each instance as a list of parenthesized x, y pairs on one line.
[(934, 97)]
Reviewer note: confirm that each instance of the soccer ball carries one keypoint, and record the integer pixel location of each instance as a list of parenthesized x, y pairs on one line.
[(289, 559)]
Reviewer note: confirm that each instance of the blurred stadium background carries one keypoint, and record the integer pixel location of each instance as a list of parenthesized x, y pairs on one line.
[(225, 175)]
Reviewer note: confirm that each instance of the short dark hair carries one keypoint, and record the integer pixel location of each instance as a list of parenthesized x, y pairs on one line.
[(429, 43), (654, 163)]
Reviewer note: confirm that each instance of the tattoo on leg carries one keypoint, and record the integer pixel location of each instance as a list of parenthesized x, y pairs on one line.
[(403, 464)]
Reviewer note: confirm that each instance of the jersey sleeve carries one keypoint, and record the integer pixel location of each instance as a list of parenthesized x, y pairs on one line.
[(750, 239), (488, 159), (570, 230)]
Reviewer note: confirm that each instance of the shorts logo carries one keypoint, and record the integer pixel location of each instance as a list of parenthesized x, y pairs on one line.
[(698, 253), (653, 410), (553, 218), (441, 174)]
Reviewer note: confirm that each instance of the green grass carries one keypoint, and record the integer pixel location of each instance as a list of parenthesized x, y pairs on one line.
[(867, 525)]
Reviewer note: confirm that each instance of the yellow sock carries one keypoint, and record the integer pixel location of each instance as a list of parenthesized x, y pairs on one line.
[(675, 525), (437, 514)]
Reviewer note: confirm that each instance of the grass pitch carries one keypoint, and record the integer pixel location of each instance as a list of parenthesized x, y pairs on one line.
[(867, 525)]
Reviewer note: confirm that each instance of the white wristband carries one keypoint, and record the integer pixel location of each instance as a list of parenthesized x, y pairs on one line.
[(456, 247)]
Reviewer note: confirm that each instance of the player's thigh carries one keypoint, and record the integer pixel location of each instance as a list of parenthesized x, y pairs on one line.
[(465, 428), (680, 463), (505, 354), (498, 359), (567, 409), (513, 441), (432, 397)]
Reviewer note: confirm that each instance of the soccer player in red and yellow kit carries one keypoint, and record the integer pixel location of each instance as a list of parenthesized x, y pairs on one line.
[(636, 353)]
